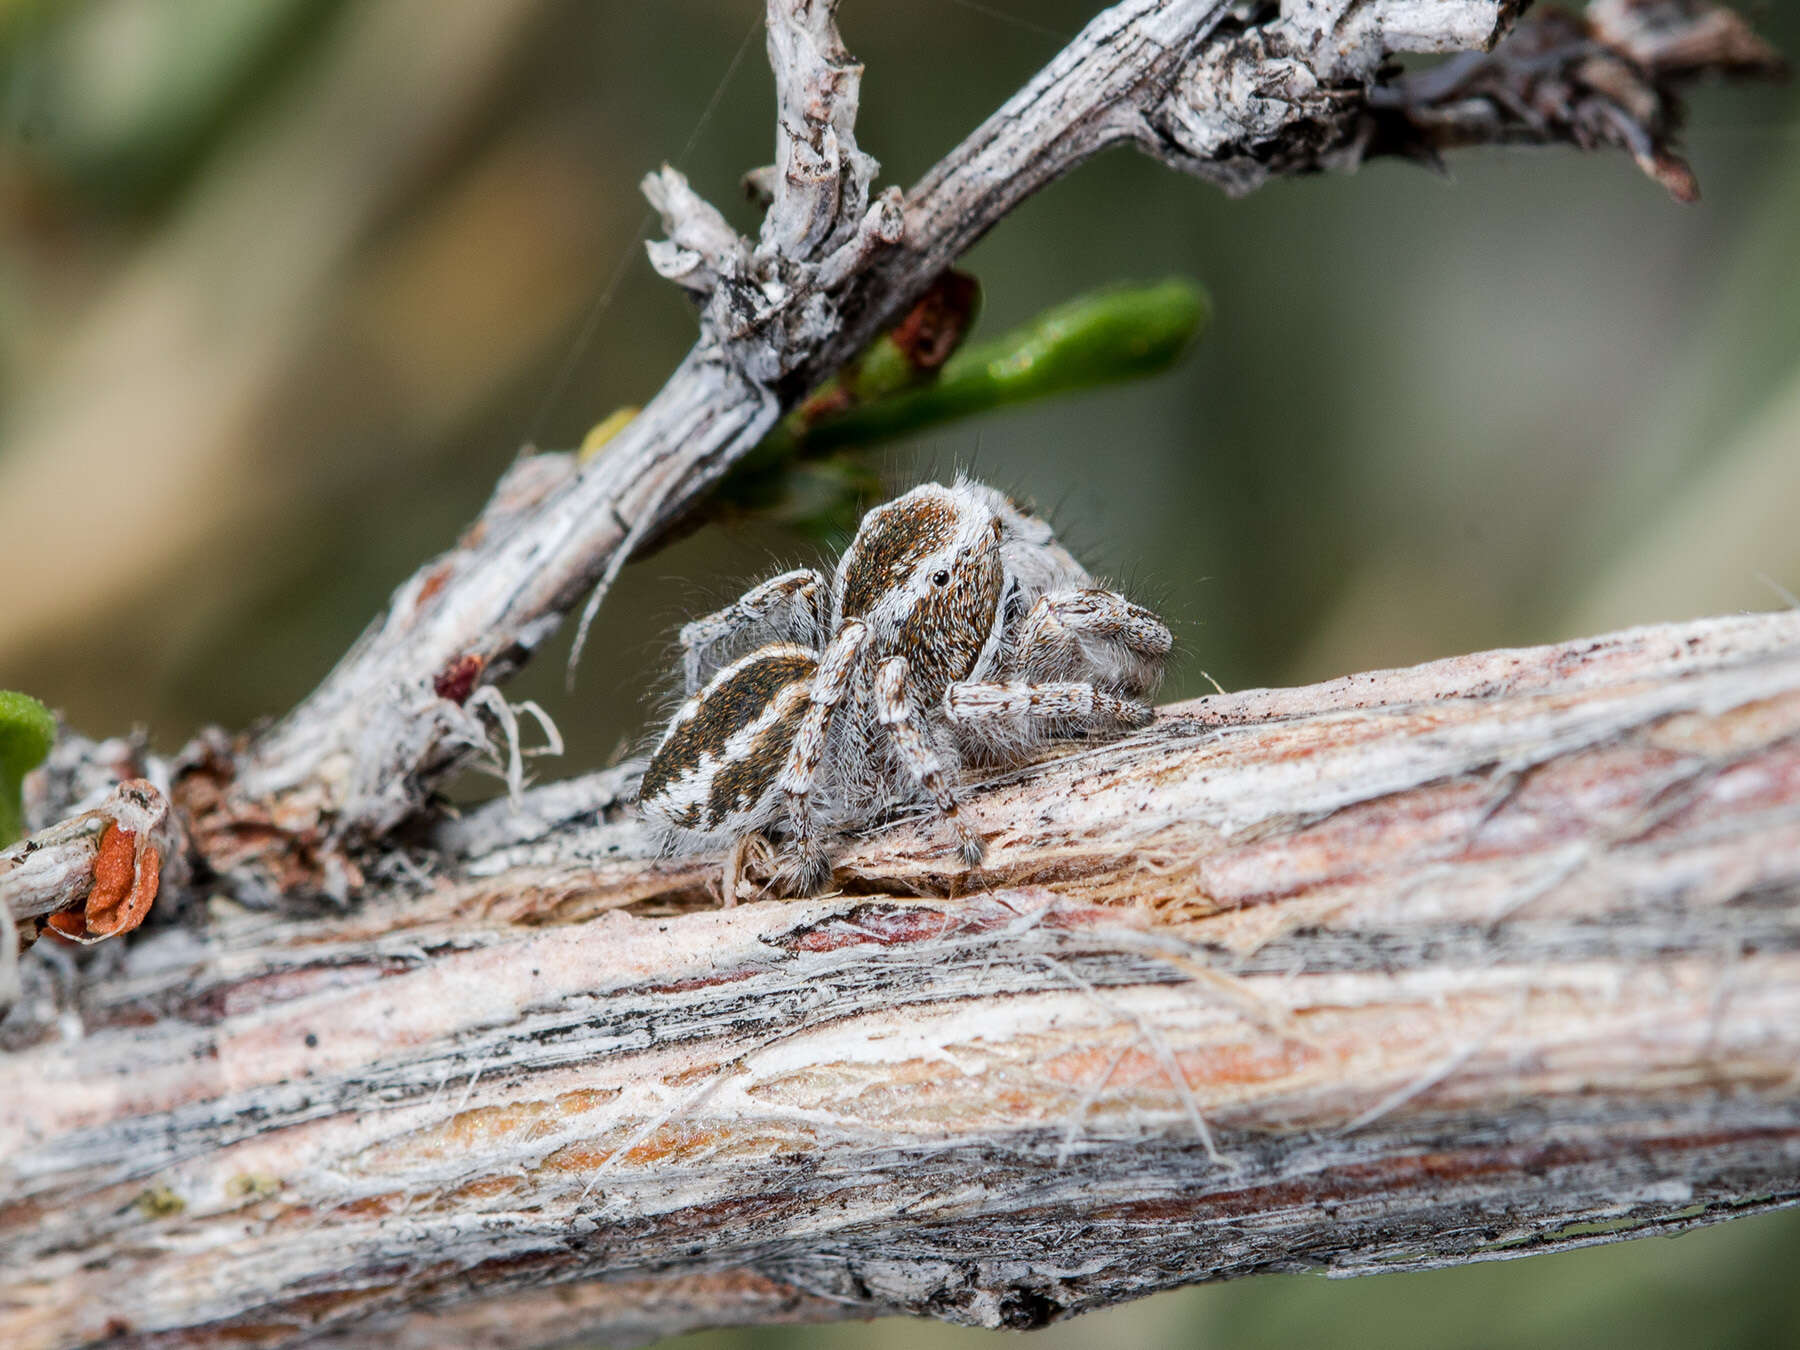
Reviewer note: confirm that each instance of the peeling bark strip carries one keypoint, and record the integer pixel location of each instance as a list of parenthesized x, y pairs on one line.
[(95, 874), (1491, 956), (1230, 92)]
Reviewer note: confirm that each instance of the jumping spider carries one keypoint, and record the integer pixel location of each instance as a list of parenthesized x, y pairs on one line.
[(956, 632)]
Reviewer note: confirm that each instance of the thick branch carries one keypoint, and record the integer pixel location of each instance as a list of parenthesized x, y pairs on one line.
[(1234, 99), (1492, 956)]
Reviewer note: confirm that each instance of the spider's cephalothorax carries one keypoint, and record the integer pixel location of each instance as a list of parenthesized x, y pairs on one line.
[(955, 631)]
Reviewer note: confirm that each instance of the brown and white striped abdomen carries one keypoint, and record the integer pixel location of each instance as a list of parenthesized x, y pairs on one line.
[(715, 770)]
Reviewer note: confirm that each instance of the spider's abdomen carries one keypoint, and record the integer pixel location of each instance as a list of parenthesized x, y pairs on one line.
[(716, 767)]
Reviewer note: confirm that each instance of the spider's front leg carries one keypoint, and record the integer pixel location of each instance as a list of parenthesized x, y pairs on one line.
[(800, 773), (787, 608), (1093, 635), (1013, 717), (894, 711)]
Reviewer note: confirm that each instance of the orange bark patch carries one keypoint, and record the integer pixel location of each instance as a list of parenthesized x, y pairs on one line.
[(379, 1206), (125, 884), (469, 1133), (477, 1191), (678, 1142), (434, 582)]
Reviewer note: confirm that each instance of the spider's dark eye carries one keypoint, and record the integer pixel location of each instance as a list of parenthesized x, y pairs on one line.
[(940, 578)]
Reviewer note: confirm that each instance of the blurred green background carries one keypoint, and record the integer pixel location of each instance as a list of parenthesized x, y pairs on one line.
[(285, 284)]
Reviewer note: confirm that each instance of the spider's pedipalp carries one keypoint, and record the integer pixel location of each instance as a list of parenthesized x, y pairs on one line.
[(1093, 635)]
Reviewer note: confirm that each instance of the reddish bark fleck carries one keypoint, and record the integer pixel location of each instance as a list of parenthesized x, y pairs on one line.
[(934, 327), (456, 681), (826, 402), (885, 925), (432, 585)]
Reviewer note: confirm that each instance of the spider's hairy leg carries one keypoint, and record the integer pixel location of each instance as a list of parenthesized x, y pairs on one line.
[(801, 771), (1019, 714), (894, 711), (1095, 634), (787, 608)]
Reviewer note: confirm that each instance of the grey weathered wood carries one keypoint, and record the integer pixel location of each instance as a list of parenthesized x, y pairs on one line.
[(1496, 955), (1493, 956)]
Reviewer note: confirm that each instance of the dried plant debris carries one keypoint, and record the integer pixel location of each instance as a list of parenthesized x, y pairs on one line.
[(1607, 78), (94, 875)]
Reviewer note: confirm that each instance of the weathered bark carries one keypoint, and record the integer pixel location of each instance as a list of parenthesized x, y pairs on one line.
[(1492, 956), (1496, 955)]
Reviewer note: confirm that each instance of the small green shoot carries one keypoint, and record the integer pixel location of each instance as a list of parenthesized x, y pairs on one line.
[(1120, 333), (27, 731), (805, 472)]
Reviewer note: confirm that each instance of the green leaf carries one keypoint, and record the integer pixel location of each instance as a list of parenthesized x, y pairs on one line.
[(807, 472), (27, 731), (1121, 333)]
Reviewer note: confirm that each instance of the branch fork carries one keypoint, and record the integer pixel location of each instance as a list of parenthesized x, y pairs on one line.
[(768, 306)]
